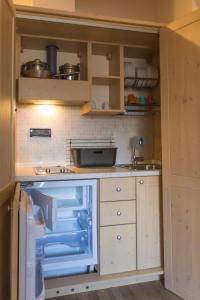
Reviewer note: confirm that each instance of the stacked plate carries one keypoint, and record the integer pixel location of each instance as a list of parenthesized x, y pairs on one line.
[(130, 74), (137, 77)]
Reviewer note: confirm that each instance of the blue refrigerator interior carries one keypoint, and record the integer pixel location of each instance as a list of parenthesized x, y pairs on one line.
[(57, 233)]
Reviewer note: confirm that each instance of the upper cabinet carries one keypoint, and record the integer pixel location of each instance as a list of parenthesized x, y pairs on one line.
[(55, 88), (118, 69)]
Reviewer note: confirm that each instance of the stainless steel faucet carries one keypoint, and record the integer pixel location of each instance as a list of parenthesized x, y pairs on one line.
[(136, 142)]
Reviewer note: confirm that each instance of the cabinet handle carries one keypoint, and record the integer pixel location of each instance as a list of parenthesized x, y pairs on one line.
[(141, 182), (119, 237), (119, 213), (118, 189)]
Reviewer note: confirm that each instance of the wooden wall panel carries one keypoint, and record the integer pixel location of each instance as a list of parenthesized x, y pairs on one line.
[(6, 95), (6, 139)]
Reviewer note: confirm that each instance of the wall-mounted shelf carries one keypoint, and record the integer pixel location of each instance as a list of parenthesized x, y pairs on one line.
[(53, 91), (141, 109), (104, 80), (87, 110)]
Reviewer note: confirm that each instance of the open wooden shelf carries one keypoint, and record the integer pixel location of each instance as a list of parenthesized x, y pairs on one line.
[(87, 110), (104, 80)]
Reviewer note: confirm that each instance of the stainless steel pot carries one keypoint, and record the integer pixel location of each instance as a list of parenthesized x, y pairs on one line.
[(35, 69), (69, 71)]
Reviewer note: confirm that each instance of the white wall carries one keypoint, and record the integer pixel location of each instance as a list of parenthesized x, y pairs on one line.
[(147, 10), (68, 5), (67, 123), (133, 9), (171, 10), (196, 4)]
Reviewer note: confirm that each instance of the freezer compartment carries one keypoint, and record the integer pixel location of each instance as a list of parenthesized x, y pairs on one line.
[(60, 205)]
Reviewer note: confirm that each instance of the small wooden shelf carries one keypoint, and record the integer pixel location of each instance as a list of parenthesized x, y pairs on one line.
[(87, 110), (104, 80), (141, 109), (53, 91)]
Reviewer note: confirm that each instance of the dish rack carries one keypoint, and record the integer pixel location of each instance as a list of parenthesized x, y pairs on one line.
[(140, 77), (141, 83)]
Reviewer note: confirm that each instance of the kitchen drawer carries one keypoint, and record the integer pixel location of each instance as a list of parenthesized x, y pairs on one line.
[(119, 212), (117, 249), (114, 189)]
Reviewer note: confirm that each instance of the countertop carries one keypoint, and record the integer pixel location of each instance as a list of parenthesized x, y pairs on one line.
[(23, 174)]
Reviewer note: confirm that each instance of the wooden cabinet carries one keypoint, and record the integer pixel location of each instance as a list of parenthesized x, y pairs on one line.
[(117, 225), (148, 195), (117, 249), (7, 106), (101, 53), (53, 91), (106, 80)]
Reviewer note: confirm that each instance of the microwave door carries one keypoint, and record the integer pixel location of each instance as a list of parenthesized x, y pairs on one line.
[(31, 227)]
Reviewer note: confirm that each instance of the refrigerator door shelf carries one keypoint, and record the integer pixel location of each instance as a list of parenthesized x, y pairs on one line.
[(30, 229), (38, 221), (40, 289)]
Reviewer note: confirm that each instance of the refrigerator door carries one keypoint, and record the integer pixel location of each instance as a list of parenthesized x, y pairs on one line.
[(14, 242), (31, 227)]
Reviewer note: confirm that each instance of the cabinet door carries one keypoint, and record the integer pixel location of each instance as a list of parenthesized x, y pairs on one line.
[(6, 97), (117, 249), (148, 222), (14, 244), (6, 138), (180, 61)]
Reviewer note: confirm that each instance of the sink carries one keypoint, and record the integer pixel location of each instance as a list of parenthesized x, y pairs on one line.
[(142, 167)]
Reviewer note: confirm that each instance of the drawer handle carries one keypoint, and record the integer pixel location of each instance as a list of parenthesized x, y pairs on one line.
[(118, 189), (141, 182), (119, 213), (119, 237)]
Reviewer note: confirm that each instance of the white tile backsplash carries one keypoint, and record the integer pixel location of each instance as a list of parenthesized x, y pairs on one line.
[(67, 122)]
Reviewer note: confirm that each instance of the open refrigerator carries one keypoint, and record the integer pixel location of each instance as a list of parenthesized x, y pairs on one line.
[(57, 233)]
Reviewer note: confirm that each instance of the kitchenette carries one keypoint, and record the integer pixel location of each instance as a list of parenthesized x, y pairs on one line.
[(88, 158)]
